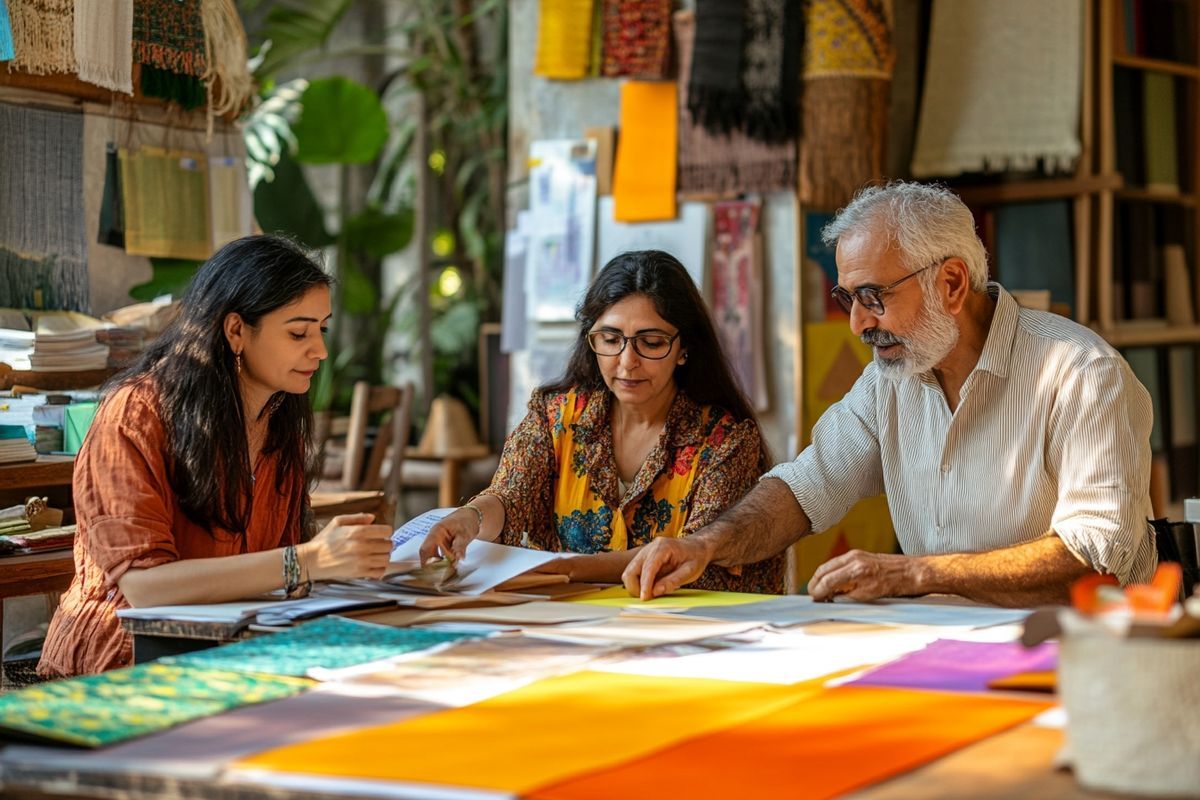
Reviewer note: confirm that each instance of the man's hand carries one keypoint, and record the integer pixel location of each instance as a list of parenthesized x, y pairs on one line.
[(865, 576), (664, 565)]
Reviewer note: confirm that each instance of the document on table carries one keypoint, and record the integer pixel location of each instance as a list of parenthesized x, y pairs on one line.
[(485, 566), (801, 609), (418, 527), (641, 630)]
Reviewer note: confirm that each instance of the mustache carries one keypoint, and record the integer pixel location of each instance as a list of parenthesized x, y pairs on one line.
[(878, 338)]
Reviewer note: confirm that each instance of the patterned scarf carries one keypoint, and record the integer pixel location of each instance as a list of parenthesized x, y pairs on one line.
[(724, 164), (104, 43), (736, 293), (43, 35), (848, 62), (636, 38), (42, 247), (169, 35)]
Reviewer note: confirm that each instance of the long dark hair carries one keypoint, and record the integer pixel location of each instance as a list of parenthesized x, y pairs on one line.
[(195, 373), (705, 377)]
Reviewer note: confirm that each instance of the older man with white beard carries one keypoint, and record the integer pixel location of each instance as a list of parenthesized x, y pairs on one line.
[(1013, 445)]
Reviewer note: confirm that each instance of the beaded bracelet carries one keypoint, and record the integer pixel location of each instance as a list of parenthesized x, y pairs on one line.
[(293, 584)]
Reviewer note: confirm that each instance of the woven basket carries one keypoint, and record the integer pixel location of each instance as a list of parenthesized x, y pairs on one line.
[(1132, 708)]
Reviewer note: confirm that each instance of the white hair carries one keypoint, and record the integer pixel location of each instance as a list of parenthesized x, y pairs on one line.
[(926, 222)]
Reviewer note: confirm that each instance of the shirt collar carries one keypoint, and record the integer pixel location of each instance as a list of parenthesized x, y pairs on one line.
[(997, 350)]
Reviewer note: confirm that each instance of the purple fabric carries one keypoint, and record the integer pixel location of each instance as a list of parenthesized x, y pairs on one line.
[(961, 666)]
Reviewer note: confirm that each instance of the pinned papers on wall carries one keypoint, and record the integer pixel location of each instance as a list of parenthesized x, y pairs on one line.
[(562, 207)]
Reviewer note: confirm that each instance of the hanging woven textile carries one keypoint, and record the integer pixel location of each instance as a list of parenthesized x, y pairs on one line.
[(165, 193), (227, 81), (42, 238), (736, 269), (43, 35), (715, 96), (724, 164), (848, 63), (637, 38), (168, 41), (104, 43), (6, 41), (564, 47)]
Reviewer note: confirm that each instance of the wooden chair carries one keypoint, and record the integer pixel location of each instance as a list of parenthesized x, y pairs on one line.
[(363, 488)]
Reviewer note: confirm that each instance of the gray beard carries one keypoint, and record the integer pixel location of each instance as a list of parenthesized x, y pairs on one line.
[(934, 336)]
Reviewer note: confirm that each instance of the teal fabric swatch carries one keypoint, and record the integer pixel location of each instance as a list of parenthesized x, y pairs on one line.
[(96, 710), (329, 642), (6, 42)]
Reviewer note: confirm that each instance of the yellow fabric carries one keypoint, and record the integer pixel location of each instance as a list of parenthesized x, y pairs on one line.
[(848, 38), (647, 150), (564, 48), (574, 494), (681, 598), (165, 193), (546, 732)]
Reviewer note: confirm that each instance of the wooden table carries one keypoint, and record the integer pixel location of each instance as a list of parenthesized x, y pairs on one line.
[(46, 472), (452, 462)]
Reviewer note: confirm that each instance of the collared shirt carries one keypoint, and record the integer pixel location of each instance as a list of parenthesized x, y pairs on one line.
[(558, 481), (1052, 433)]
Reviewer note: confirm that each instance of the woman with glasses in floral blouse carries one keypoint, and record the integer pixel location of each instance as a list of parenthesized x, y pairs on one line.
[(646, 435)]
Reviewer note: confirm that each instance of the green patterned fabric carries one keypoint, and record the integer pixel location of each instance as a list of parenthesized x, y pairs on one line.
[(329, 642), (97, 710), (169, 34)]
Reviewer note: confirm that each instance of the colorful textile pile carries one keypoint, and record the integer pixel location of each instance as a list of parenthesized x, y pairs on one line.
[(43, 35), (724, 164), (104, 43), (42, 248), (564, 47), (744, 69), (637, 38), (848, 62)]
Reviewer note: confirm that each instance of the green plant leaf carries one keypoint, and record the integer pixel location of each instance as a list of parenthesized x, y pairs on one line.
[(296, 29), (341, 121), (377, 233), (286, 204), (456, 329), (171, 276), (358, 293)]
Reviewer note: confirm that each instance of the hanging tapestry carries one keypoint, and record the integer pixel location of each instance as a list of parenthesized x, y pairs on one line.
[(644, 178), (104, 43), (165, 193), (42, 229), (43, 35), (6, 42), (715, 97), (848, 62), (737, 300), (169, 35), (564, 47), (719, 163), (1002, 87), (637, 37)]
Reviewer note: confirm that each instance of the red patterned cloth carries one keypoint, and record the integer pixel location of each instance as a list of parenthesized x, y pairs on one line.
[(637, 38)]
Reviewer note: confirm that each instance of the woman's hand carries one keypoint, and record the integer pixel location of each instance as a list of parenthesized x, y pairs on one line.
[(348, 547), (451, 535)]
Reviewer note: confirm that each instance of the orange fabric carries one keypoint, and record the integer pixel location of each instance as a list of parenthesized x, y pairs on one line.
[(128, 518), (545, 732), (644, 181), (824, 746)]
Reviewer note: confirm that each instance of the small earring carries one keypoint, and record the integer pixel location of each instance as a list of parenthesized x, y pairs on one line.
[(683, 358), (237, 362)]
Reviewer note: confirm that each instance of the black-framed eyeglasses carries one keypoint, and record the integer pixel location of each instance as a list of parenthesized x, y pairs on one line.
[(653, 346), (871, 297)]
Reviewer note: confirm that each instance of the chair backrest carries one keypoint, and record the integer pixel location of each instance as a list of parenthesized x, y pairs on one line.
[(362, 470)]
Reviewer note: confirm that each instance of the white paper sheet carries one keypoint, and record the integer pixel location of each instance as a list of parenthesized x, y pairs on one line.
[(418, 527), (485, 566), (640, 630), (683, 238)]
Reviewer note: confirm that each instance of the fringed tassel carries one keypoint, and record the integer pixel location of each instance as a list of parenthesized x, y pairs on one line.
[(228, 81), (43, 35), (844, 131), (54, 283)]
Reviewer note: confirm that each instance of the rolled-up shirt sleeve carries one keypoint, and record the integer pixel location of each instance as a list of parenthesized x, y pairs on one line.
[(1099, 445), (122, 493), (842, 465)]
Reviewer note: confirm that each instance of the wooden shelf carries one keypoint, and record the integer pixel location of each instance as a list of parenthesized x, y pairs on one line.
[(1048, 189), (44, 473), (1152, 196), (1158, 65), (1135, 335)]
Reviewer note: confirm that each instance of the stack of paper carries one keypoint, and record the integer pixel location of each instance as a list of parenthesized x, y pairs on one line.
[(15, 445), (67, 343), (16, 346)]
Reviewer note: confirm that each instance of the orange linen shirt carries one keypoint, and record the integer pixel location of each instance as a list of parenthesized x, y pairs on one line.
[(128, 517)]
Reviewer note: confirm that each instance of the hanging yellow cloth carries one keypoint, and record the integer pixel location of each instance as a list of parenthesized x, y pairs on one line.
[(564, 48), (644, 183), (546, 732), (165, 193)]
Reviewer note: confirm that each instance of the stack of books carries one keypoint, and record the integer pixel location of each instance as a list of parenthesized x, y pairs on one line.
[(124, 345)]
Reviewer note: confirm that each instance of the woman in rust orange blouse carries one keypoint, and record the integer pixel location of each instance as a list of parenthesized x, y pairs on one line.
[(192, 483), (646, 435)]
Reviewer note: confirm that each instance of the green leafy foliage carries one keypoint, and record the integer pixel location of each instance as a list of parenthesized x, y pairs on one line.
[(170, 276), (341, 122), (293, 29), (286, 204), (378, 233)]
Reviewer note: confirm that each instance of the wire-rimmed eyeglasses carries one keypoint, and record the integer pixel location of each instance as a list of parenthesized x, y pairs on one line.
[(871, 297), (653, 346)]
